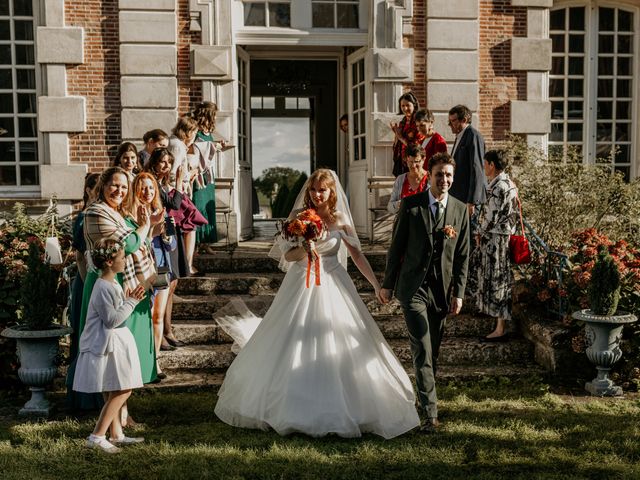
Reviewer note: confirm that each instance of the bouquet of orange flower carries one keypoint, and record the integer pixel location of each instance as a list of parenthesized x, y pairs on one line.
[(307, 227)]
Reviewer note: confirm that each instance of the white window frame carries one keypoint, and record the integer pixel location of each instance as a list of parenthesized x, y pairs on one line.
[(18, 189), (266, 2), (590, 94)]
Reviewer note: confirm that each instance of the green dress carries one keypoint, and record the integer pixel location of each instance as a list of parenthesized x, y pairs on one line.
[(204, 199), (139, 322)]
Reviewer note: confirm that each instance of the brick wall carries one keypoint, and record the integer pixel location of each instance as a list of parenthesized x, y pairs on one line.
[(499, 22), (98, 80), (418, 41), (189, 92)]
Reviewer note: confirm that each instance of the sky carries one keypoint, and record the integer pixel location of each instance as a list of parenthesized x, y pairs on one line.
[(280, 142)]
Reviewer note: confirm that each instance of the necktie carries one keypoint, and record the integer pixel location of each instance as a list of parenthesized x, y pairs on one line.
[(439, 211)]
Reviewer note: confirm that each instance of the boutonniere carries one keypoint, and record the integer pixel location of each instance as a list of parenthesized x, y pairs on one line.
[(449, 231)]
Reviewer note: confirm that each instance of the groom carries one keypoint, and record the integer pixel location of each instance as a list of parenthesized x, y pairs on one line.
[(427, 268)]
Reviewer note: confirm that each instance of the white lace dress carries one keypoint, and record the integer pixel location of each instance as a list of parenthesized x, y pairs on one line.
[(317, 362)]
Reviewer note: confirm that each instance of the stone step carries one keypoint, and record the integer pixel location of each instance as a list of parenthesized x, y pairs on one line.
[(259, 262), (211, 380), (455, 351), (206, 331)]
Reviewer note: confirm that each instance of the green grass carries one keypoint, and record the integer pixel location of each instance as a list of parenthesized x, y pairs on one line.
[(491, 430)]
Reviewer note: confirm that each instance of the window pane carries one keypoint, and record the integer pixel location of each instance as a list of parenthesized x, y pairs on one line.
[(605, 43), (363, 125), (604, 132), (556, 87), (623, 110), (5, 32), (626, 172), (575, 87), (603, 152), (605, 110), (623, 132), (6, 127), (268, 102), (24, 55), (254, 15), (4, 7), (576, 65), (322, 15), (356, 154), (304, 103), (279, 15), (624, 43), (623, 155), (556, 134), (5, 79), (23, 29), (354, 94), (576, 43), (606, 17), (624, 88), (363, 147), (356, 125), (576, 18), (557, 66), (290, 103), (7, 175), (28, 152), (27, 127), (557, 19), (6, 103), (605, 65), (348, 16), (557, 110), (574, 132), (256, 102), (605, 87), (29, 175), (22, 8), (624, 66), (625, 21), (7, 151), (575, 109), (361, 70), (5, 55), (557, 42), (26, 103)]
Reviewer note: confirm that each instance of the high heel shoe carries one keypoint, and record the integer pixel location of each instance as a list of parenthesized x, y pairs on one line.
[(174, 342)]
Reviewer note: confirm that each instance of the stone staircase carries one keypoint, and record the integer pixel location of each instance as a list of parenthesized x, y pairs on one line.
[(249, 274)]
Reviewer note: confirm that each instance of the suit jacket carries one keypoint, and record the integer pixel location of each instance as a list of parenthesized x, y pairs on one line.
[(412, 247), (469, 181)]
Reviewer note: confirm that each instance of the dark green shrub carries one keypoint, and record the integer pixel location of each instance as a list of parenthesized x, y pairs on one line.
[(37, 293)]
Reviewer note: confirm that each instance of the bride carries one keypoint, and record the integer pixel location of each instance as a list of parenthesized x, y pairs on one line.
[(317, 362)]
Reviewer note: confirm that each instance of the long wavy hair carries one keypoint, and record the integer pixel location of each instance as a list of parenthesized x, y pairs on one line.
[(323, 176), (136, 189), (157, 155), (205, 116)]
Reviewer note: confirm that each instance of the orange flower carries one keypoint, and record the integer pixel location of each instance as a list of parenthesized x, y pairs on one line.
[(449, 231)]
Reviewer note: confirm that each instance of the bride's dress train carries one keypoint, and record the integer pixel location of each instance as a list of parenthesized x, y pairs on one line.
[(317, 362)]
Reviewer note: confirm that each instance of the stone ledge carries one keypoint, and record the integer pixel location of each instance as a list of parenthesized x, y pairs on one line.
[(211, 62), (532, 3), (530, 117), (147, 5), (64, 181), (62, 114), (60, 45), (453, 9), (531, 54)]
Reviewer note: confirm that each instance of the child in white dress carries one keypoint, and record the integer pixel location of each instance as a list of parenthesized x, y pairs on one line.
[(108, 360)]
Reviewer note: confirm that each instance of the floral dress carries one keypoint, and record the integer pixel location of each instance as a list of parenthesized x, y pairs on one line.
[(490, 276), (409, 131)]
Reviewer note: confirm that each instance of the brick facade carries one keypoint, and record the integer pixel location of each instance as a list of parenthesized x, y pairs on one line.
[(418, 41), (189, 91)]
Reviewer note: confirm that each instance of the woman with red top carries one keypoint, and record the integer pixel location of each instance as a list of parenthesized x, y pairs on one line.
[(433, 142), (412, 182), (406, 131)]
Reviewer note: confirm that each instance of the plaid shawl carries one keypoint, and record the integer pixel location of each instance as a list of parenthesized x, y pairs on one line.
[(101, 221)]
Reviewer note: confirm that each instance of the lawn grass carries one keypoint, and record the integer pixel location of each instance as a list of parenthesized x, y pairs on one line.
[(491, 430)]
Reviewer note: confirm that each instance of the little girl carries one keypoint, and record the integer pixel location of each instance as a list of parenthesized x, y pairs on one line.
[(108, 361)]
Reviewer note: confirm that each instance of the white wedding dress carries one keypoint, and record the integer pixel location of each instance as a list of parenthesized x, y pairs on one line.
[(317, 362)]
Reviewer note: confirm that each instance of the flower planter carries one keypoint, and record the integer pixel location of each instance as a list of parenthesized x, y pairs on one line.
[(37, 351), (603, 334)]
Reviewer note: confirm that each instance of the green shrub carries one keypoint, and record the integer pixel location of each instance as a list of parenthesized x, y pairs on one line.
[(604, 289), (37, 292)]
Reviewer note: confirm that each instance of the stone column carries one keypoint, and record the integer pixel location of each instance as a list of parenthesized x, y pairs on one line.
[(452, 59), (533, 54), (58, 113), (148, 66)]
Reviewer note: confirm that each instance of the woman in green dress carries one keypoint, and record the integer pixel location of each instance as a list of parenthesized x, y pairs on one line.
[(204, 190)]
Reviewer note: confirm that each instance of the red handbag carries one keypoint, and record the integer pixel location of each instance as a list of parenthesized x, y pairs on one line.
[(519, 250)]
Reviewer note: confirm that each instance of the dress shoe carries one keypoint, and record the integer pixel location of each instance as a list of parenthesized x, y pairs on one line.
[(165, 347), (502, 338), (161, 375), (174, 342), (429, 425)]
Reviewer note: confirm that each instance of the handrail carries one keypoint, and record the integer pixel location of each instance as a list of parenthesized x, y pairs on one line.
[(555, 264)]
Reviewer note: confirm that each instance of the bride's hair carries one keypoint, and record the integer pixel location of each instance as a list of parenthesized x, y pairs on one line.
[(322, 175)]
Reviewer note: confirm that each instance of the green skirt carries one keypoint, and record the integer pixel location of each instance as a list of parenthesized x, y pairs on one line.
[(139, 322), (205, 201)]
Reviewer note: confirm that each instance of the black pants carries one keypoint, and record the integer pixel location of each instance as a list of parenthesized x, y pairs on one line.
[(425, 314)]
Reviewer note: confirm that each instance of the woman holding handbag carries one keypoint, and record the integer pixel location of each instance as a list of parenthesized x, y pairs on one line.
[(490, 277)]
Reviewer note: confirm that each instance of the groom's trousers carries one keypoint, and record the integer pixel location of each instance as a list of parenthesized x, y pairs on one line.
[(425, 314)]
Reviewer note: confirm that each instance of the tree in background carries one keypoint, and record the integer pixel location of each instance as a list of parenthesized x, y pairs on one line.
[(276, 183)]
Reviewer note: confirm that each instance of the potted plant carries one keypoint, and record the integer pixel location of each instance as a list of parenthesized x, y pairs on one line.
[(604, 323), (35, 307)]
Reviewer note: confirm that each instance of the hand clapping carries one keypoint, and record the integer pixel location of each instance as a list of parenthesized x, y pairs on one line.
[(137, 293)]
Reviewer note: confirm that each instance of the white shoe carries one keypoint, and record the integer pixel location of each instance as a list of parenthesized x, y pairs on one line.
[(101, 443), (126, 440)]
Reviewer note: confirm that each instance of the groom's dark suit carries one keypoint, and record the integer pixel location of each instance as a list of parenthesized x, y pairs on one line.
[(426, 269)]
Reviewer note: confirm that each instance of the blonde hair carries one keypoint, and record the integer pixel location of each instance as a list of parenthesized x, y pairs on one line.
[(184, 126), (136, 187), (205, 116), (325, 176)]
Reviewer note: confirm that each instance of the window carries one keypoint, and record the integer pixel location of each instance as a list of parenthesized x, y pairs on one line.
[(18, 128), (591, 84), (243, 113), (358, 116), (267, 14), (335, 13)]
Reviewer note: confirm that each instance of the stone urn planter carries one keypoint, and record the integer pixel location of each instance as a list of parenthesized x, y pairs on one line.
[(37, 351), (603, 335)]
